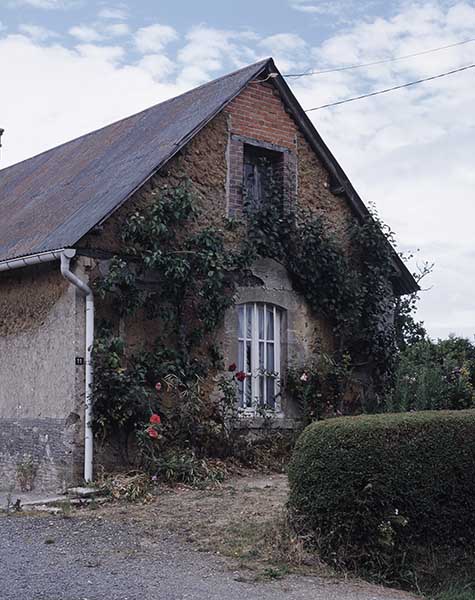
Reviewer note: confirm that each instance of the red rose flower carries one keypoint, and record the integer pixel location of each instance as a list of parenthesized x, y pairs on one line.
[(240, 376), (151, 432), (232, 367), (158, 386), (155, 419)]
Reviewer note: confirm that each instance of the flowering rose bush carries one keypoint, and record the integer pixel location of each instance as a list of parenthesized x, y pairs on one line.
[(154, 430), (240, 376), (319, 387), (153, 433)]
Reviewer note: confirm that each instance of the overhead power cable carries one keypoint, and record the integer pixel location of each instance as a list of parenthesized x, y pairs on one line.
[(379, 62), (392, 89)]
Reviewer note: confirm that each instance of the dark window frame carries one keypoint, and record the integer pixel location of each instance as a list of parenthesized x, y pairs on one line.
[(262, 168), (235, 178)]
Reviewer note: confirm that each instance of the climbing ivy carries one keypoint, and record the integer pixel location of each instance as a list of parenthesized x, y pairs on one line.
[(353, 291), (183, 274), (174, 270)]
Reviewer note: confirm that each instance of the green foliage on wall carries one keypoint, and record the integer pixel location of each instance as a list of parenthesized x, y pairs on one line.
[(353, 291), (173, 270), (185, 275)]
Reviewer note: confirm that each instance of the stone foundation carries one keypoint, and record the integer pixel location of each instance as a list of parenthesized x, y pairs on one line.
[(38, 454)]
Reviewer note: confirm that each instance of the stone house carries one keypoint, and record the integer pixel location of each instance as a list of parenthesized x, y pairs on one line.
[(61, 215)]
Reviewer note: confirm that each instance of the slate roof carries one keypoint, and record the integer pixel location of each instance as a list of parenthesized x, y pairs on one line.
[(52, 200)]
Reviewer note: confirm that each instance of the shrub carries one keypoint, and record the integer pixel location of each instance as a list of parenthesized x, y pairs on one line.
[(435, 376), (378, 493)]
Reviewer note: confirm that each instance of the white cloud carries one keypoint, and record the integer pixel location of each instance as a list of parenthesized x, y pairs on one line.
[(286, 42), (338, 12), (158, 65), (288, 49), (116, 29), (154, 38), (461, 16), (85, 33), (207, 50), (118, 14), (47, 4), (101, 54), (36, 32), (307, 6), (328, 7), (98, 31), (75, 91)]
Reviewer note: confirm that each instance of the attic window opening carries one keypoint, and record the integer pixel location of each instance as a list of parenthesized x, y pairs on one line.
[(263, 175)]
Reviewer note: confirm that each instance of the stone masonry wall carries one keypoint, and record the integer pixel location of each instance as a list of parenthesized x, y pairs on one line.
[(257, 115)]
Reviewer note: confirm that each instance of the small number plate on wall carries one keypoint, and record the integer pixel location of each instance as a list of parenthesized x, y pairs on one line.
[(79, 361)]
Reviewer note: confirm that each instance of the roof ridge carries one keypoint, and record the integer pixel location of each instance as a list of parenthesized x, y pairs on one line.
[(144, 110)]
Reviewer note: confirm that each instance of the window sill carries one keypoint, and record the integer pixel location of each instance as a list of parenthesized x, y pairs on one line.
[(273, 421)]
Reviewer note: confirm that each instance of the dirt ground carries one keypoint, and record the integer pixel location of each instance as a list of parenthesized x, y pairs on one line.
[(242, 520), (229, 541)]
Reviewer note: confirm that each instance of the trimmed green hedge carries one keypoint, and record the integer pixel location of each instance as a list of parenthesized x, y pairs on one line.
[(378, 491)]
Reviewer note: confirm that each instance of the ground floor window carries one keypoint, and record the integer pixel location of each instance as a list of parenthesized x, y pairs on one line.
[(259, 356)]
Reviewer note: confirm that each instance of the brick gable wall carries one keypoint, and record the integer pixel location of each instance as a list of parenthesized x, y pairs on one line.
[(258, 113), (258, 116)]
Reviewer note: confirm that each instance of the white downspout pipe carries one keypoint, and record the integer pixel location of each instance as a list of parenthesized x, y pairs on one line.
[(66, 272)]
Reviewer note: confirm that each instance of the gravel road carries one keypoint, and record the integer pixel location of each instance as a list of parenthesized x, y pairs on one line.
[(56, 558)]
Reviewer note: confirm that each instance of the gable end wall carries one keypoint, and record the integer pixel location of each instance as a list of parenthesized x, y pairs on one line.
[(257, 113), (206, 161)]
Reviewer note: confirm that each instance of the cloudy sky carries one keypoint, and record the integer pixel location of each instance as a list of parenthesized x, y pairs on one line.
[(70, 66)]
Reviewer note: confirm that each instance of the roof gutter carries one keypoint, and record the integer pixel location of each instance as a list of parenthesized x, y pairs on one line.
[(65, 255), (32, 259)]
